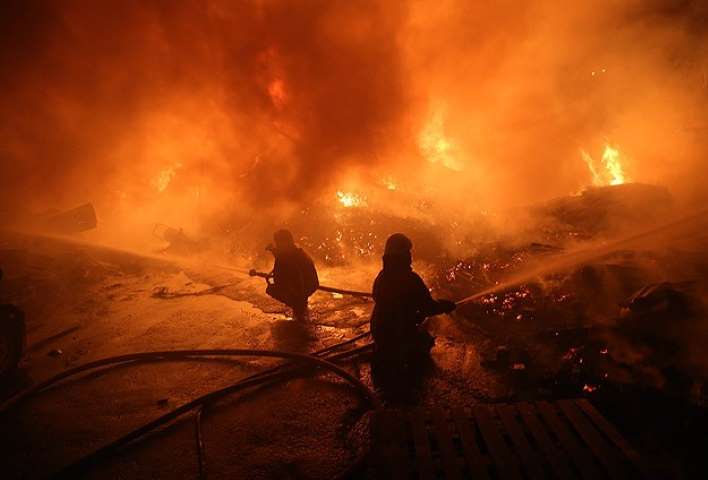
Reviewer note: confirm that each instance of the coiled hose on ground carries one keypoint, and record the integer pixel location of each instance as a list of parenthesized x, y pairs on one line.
[(277, 373)]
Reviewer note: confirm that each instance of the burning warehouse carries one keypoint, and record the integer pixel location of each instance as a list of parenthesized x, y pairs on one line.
[(361, 239)]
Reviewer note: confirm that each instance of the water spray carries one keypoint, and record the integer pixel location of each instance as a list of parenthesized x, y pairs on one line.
[(570, 259)]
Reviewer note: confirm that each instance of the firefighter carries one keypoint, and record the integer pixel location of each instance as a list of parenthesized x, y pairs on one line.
[(294, 276), (403, 302)]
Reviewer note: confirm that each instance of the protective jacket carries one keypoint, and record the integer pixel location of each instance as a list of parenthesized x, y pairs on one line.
[(402, 303), (294, 277)]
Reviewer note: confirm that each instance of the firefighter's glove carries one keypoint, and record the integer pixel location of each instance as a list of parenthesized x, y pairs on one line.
[(447, 306)]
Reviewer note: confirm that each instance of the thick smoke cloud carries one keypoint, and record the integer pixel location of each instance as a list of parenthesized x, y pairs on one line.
[(525, 86), (179, 108), (266, 98)]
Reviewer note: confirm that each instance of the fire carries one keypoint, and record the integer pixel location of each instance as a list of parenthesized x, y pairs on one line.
[(276, 90), (613, 172), (350, 200), (596, 177), (163, 179), (389, 183), (436, 146), (611, 159)]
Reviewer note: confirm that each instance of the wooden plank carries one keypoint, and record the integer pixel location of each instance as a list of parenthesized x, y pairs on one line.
[(614, 435), (529, 459), (424, 457), (579, 455), (475, 461), (441, 429), (600, 448), (504, 461), (555, 456)]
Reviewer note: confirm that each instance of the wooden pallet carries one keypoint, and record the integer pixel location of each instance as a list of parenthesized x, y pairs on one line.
[(566, 439)]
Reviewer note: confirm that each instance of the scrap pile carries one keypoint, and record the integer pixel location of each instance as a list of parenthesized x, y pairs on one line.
[(608, 322)]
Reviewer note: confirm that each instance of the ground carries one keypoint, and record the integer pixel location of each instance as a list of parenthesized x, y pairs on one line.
[(85, 303)]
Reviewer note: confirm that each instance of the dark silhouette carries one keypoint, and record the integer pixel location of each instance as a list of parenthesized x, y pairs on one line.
[(403, 302), (294, 276), (12, 337)]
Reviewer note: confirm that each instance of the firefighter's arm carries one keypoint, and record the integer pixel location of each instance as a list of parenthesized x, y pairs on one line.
[(267, 276), (430, 306)]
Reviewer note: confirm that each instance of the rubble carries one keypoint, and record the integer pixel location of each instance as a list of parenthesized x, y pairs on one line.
[(178, 242), (76, 220), (601, 209), (576, 326)]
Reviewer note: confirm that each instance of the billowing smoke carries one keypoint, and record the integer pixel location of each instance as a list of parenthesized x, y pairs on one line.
[(260, 101), (522, 89), (172, 110)]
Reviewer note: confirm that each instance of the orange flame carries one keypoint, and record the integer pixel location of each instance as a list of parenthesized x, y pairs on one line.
[(350, 200), (610, 157), (436, 146), (276, 90), (389, 183), (165, 176), (612, 173)]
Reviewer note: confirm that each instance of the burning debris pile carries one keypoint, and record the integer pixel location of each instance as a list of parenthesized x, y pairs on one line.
[(339, 232), (597, 211), (577, 326), (611, 318)]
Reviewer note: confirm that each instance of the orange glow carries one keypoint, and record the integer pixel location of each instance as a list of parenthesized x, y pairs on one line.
[(435, 146), (611, 171), (610, 158), (350, 200), (276, 90), (163, 179), (447, 103), (389, 183)]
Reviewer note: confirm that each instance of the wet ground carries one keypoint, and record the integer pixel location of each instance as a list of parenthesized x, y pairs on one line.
[(85, 303)]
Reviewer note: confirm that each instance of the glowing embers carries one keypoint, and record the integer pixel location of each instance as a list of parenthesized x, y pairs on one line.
[(611, 171), (350, 199)]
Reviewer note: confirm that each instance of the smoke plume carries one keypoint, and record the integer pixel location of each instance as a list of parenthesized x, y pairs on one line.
[(171, 109)]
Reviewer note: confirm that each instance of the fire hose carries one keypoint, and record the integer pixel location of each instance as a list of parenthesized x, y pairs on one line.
[(355, 293), (323, 288), (273, 374)]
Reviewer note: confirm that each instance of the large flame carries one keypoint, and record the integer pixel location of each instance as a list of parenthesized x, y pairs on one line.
[(610, 158), (611, 171), (436, 146)]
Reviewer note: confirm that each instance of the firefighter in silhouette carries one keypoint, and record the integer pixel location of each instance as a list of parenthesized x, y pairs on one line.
[(403, 302), (294, 277)]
